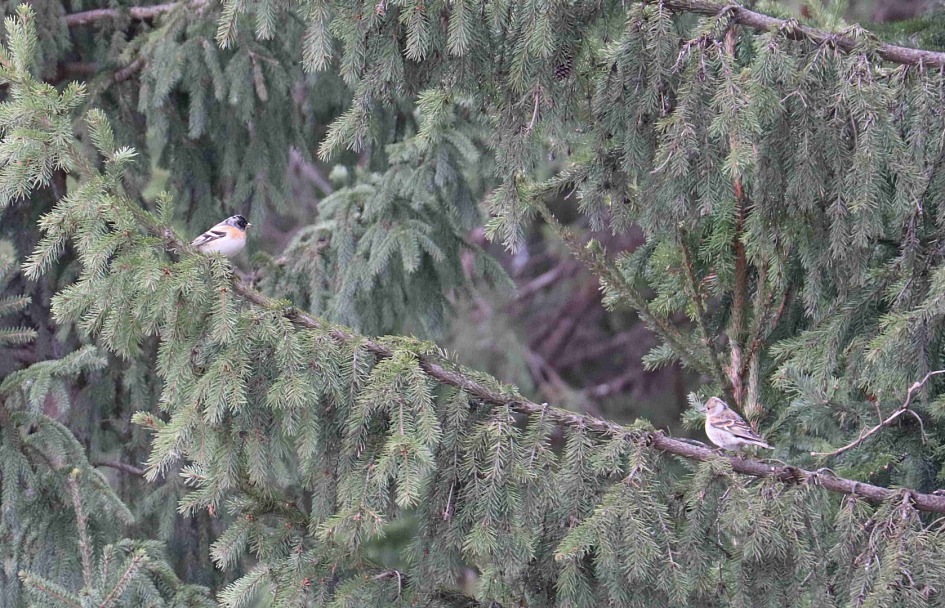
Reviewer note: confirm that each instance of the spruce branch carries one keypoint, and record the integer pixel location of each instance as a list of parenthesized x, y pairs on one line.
[(134, 566), (737, 13), (900, 411), (85, 545), (453, 597), (595, 258), (50, 589), (792, 29), (760, 330), (696, 295), (737, 336), (458, 378), (655, 439)]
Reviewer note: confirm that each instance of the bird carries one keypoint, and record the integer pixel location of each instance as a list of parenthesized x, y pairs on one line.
[(228, 237), (727, 429)]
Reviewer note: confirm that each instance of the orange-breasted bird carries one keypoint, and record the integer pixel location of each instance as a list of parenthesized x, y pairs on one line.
[(228, 237)]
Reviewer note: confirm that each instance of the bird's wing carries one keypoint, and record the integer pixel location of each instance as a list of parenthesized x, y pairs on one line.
[(209, 236), (729, 421)]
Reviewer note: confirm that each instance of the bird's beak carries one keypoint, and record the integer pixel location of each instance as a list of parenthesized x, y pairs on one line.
[(248, 224)]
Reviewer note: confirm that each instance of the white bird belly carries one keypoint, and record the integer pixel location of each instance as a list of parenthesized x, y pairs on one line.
[(228, 246), (723, 439)]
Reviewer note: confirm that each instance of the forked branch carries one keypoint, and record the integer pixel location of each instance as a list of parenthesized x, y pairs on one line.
[(900, 411)]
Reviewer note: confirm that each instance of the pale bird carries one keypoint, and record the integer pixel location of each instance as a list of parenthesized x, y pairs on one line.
[(228, 237), (727, 429)]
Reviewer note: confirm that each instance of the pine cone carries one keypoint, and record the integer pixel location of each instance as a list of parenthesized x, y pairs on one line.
[(563, 69)]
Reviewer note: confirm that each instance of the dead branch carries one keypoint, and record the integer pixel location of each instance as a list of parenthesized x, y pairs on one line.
[(901, 410)]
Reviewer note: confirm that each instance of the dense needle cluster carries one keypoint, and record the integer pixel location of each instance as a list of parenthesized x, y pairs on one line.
[(790, 192)]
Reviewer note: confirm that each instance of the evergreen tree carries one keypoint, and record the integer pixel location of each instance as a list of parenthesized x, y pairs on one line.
[(787, 182)]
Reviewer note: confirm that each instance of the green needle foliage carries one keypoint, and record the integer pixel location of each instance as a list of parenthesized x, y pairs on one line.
[(10, 303), (789, 195)]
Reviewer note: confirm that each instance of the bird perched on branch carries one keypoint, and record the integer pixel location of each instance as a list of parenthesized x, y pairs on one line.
[(727, 429), (228, 237)]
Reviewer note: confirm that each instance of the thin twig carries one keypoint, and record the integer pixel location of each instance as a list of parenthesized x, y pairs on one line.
[(449, 501), (392, 574), (612, 386), (902, 409), (121, 466), (879, 413), (542, 281), (638, 336), (309, 171), (531, 124)]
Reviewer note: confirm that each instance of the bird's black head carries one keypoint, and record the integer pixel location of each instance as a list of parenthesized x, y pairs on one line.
[(239, 221)]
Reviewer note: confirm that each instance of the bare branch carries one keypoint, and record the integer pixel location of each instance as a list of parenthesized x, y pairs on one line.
[(542, 281), (902, 409), (129, 70), (637, 336), (737, 334), (531, 124), (137, 13), (309, 171), (796, 31), (121, 466), (612, 386)]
